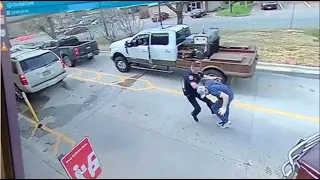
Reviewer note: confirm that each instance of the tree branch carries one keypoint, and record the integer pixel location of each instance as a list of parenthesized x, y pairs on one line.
[(172, 8)]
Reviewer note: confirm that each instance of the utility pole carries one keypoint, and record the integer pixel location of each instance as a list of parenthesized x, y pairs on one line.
[(159, 17), (294, 7)]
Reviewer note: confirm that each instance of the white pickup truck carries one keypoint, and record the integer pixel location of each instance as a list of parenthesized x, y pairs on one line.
[(175, 46)]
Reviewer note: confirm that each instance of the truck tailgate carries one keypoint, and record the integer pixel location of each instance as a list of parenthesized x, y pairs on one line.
[(88, 47)]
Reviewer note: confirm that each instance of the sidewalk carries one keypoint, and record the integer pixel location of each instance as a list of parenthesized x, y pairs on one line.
[(38, 164)]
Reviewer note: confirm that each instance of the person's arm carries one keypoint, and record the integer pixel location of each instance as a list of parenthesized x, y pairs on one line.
[(225, 99), (191, 80), (194, 85)]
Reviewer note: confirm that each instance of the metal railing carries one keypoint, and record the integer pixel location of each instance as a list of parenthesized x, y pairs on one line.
[(291, 167)]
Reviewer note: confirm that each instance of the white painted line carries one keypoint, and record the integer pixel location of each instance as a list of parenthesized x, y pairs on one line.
[(307, 4), (280, 5)]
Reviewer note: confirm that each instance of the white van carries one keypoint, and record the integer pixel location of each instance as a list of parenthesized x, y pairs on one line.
[(36, 69)]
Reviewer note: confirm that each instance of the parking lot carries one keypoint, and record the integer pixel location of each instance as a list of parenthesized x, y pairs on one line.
[(140, 123)]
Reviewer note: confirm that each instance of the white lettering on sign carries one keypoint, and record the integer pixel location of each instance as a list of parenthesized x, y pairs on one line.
[(19, 4), (22, 11), (73, 155)]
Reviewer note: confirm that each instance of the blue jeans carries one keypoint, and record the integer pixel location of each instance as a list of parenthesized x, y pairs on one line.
[(215, 108)]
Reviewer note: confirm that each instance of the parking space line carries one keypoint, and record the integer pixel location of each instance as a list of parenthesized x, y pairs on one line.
[(280, 4), (152, 87), (58, 135), (307, 4)]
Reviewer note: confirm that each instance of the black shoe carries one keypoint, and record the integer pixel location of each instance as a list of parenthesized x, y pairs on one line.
[(195, 117)]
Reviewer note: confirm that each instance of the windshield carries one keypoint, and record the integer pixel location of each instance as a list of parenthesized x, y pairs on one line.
[(38, 62)]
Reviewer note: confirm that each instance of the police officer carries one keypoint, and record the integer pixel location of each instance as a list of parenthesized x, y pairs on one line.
[(191, 83), (221, 106)]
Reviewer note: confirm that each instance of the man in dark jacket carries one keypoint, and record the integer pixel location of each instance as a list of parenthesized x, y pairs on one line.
[(191, 83)]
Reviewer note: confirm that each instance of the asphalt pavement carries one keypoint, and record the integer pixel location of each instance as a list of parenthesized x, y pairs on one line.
[(140, 125)]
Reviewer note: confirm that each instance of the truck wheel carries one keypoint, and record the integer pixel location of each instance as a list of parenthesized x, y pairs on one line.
[(68, 61), (122, 64), (216, 73)]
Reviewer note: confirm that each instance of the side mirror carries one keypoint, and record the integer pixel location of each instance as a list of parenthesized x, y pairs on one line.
[(128, 44)]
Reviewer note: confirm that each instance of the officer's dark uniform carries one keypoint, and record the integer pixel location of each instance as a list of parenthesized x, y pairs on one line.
[(192, 94)]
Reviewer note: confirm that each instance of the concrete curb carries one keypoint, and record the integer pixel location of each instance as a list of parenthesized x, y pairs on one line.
[(286, 69), (42, 156)]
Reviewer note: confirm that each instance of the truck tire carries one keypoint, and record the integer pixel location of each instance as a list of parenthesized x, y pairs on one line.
[(216, 73), (67, 61), (122, 64)]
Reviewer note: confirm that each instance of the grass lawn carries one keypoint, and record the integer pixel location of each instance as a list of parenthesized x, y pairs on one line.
[(237, 10), (313, 32), (297, 47)]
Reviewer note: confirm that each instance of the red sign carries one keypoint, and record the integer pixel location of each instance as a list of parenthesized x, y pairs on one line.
[(23, 38), (81, 162)]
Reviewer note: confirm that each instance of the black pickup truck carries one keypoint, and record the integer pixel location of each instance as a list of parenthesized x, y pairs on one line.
[(71, 50)]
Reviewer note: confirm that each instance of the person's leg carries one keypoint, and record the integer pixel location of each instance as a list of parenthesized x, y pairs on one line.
[(196, 106), (215, 108), (207, 101)]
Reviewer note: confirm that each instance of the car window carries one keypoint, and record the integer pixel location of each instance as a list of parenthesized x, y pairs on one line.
[(143, 37), (38, 62), (182, 34), (53, 43), (14, 68), (159, 39)]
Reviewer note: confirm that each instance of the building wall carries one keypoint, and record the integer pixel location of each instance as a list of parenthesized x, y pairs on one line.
[(213, 5), (164, 8)]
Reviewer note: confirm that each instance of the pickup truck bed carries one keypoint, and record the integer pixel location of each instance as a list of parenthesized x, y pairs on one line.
[(232, 59)]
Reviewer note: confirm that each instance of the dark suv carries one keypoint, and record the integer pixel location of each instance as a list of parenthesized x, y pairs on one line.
[(198, 13), (269, 5)]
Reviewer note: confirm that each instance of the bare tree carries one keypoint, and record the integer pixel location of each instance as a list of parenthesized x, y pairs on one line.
[(89, 35), (107, 27), (59, 19), (44, 24), (178, 9), (128, 22), (230, 6), (114, 21)]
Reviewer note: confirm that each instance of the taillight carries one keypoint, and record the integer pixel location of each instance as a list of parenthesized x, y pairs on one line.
[(23, 80), (62, 63), (76, 51)]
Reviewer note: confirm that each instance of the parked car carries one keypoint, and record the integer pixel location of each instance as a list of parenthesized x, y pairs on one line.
[(71, 50), (156, 17), (76, 30), (303, 159), (35, 69), (198, 13), (269, 5)]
